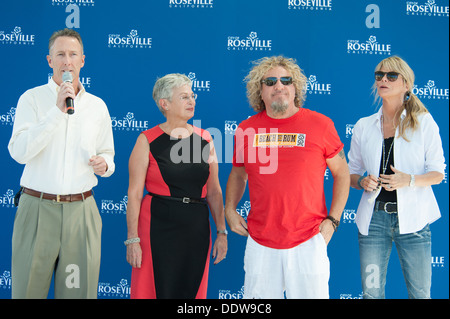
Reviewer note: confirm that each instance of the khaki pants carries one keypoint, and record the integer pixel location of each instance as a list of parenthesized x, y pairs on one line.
[(59, 238)]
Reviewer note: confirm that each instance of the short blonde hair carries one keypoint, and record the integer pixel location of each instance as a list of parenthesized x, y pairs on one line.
[(261, 67), (412, 104)]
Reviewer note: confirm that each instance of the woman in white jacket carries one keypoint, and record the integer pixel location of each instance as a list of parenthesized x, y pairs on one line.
[(400, 149)]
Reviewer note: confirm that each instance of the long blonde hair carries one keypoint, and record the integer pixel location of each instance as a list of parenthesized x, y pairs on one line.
[(412, 104)]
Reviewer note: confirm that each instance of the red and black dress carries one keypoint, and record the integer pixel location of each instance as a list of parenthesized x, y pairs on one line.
[(175, 236)]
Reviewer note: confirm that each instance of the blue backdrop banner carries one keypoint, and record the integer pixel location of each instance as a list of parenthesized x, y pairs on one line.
[(129, 44)]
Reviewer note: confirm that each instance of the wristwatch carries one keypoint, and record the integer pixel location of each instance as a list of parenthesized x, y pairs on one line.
[(222, 232), (412, 181)]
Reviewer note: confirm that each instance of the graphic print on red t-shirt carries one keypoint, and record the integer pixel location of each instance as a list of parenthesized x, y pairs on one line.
[(285, 160)]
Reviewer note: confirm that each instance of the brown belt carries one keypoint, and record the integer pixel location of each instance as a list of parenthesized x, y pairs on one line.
[(58, 198)]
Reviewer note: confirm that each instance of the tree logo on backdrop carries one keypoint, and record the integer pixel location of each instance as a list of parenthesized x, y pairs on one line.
[(130, 41), (7, 200), (199, 85), (121, 290), (8, 117), (244, 210), (250, 43), (314, 87), (429, 8), (430, 91), (16, 37), (321, 5), (191, 3), (128, 123), (5, 280), (371, 46)]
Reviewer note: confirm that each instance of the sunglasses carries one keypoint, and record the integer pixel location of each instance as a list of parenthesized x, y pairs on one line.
[(271, 81), (391, 76)]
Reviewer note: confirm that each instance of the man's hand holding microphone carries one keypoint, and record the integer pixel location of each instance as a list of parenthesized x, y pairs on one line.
[(66, 94)]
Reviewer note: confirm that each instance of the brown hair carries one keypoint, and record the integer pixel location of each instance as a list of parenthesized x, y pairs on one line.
[(64, 33)]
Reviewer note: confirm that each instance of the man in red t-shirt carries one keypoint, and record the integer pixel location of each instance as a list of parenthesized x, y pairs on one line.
[(283, 152)]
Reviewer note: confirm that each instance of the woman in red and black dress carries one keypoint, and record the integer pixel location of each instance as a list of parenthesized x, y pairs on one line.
[(169, 238)]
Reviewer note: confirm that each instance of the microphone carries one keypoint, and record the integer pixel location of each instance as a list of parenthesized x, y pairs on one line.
[(67, 77)]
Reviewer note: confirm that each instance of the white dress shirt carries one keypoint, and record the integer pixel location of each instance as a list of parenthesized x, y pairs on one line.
[(417, 206), (56, 147)]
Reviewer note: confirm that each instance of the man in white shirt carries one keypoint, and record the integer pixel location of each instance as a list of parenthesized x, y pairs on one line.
[(57, 226)]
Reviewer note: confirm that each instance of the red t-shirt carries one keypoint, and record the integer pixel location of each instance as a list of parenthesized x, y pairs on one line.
[(285, 160)]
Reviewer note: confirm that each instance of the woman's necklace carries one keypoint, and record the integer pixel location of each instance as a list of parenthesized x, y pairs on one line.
[(377, 190), (385, 159)]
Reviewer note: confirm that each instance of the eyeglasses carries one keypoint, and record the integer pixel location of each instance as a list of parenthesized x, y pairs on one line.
[(391, 76), (271, 81), (186, 98)]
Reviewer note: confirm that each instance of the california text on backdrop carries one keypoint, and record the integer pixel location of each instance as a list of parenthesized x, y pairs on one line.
[(128, 44)]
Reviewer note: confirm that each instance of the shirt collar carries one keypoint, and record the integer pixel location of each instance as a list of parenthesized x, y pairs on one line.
[(377, 118)]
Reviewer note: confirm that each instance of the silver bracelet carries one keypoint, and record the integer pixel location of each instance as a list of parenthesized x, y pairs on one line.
[(132, 240)]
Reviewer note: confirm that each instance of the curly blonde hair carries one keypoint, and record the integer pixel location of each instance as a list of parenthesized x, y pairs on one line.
[(261, 67), (412, 104)]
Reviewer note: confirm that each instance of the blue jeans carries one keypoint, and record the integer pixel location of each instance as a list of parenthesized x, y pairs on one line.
[(414, 252)]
